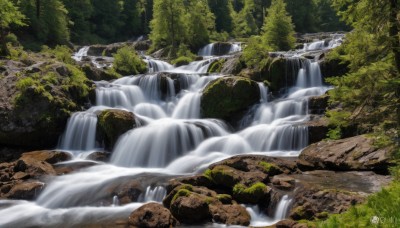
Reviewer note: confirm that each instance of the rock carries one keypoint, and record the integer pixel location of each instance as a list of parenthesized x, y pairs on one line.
[(230, 214), (35, 119), (198, 180), (258, 193), (284, 182), (106, 50), (34, 168), (99, 156), (98, 74), (216, 66), (191, 209), (152, 215), (112, 123), (318, 104), (334, 67), (50, 157), (25, 191), (228, 177), (356, 153), (318, 128), (221, 48), (227, 97), (287, 223), (232, 66), (66, 168)]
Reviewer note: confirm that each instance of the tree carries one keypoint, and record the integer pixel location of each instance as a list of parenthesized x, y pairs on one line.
[(168, 24), (131, 16), (79, 12), (245, 22), (9, 16), (370, 93), (199, 23), (303, 14), (106, 18), (222, 9), (278, 28)]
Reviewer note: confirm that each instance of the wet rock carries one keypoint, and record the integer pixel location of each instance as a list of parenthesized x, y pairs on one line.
[(318, 127), (221, 48), (356, 153), (334, 67), (318, 104), (34, 168), (232, 66), (152, 215), (258, 193), (198, 180), (98, 74), (229, 97), (25, 190), (66, 168), (99, 156), (283, 182), (112, 123), (230, 214), (106, 50), (127, 190), (50, 157), (191, 209), (228, 177)]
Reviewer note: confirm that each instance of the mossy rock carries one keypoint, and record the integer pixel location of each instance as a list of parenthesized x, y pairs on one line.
[(216, 66), (224, 176), (258, 193), (270, 169), (227, 97), (276, 73), (113, 123)]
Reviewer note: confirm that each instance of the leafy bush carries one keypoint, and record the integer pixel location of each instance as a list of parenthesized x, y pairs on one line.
[(180, 61), (256, 54), (127, 62)]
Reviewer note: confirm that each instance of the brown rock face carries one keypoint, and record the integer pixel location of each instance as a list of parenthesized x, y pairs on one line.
[(356, 153), (50, 157), (152, 215), (230, 214), (191, 209), (25, 191)]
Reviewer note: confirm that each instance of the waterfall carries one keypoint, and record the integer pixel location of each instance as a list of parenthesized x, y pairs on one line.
[(162, 141), (80, 133), (172, 139), (81, 53), (283, 208), (207, 50)]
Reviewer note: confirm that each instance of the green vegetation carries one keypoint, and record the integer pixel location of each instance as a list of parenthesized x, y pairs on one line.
[(278, 28), (9, 15), (181, 193), (216, 66), (270, 168), (255, 194), (127, 62)]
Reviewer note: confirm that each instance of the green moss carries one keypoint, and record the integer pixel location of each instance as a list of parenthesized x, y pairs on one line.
[(256, 193), (216, 66), (227, 96), (181, 193), (224, 198), (224, 176), (127, 62), (208, 174), (269, 168), (182, 60)]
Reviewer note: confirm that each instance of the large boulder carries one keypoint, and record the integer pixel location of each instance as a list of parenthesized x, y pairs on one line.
[(232, 66), (228, 97), (230, 214), (331, 67), (37, 99), (25, 190), (356, 153), (152, 215), (112, 123), (191, 208), (50, 157)]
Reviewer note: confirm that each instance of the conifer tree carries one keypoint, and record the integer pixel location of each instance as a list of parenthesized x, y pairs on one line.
[(245, 22), (278, 28)]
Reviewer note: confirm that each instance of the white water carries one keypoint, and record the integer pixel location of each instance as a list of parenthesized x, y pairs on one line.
[(173, 140)]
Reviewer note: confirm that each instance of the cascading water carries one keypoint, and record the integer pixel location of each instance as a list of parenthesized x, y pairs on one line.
[(172, 141)]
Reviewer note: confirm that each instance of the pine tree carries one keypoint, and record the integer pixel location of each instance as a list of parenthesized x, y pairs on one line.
[(79, 13), (245, 22), (278, 28), (168, 24), (222, 9)]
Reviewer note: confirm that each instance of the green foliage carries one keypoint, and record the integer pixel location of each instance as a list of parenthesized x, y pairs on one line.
[(183, 60), (303, 14), (216, 66), (384, 205), (10, 15), (256, 54), (269, 168), (79, 13), (61, 52), (223, 10), (338, 120), (127, 62), (278, 29), (245, 22)]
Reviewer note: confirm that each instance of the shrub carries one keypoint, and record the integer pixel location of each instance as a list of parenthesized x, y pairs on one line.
[(127, 62)]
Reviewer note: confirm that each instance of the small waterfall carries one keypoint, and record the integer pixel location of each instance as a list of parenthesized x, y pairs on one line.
[(115, 201), (309, 75), (158, 65), (188, 107), (207, 50), (283, 208), (236, 47), (156, 194), (162, 141), (199, 66), (80, 133), (81, 53), (121, 96), (263, 92)]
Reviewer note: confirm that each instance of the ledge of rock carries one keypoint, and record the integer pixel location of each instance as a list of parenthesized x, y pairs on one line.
[(152, 215), (228, 97), (356, 153)]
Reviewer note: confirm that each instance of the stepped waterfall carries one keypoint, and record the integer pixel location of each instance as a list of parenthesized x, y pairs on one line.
[(171, 139)]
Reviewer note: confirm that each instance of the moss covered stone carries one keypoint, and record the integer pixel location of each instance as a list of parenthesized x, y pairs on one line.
[(216, 66), (113, 123), (258, 193), (270, 169), (226, 97)]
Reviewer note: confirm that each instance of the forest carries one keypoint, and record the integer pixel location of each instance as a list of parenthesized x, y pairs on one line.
[(281, 113)]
